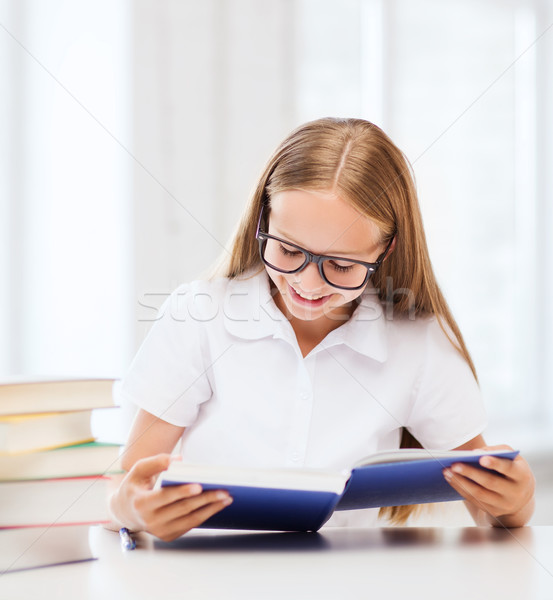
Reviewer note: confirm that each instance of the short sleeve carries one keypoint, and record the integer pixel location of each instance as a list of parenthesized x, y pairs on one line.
[(447, 409), (167, 378)]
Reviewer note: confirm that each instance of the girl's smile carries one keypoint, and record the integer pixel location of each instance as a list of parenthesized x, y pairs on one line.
[(305, 300)]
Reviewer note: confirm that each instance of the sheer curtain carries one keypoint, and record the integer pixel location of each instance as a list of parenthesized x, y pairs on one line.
[(135, 131)]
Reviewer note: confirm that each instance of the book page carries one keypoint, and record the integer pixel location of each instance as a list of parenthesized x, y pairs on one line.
[(292, 479), (409, 454)]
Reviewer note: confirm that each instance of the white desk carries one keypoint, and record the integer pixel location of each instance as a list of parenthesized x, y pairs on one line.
[(393, 563)]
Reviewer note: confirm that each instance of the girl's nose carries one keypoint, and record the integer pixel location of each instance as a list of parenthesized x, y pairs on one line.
[(310, 279)]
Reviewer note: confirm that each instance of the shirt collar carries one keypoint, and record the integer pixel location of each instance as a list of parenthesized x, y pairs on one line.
[(365, 330), (251, 313)]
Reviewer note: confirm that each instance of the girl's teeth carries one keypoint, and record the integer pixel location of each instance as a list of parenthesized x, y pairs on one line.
[(306, 297)]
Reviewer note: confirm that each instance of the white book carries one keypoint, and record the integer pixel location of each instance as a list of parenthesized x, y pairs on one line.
[(32, 395), (34, 547), (46, 502)]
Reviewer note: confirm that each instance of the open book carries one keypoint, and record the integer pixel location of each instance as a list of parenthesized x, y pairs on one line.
[(304, 499)]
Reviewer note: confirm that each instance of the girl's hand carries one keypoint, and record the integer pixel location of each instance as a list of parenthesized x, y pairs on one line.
[(165, 512), (505, 498)]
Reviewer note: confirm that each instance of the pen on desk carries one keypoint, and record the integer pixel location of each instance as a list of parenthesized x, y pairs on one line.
[(127, 541)]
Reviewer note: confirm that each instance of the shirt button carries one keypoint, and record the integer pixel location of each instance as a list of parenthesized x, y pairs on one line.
[(305, 395), (295, 457)]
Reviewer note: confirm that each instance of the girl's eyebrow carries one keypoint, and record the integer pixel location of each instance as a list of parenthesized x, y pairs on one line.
[(345, 254)]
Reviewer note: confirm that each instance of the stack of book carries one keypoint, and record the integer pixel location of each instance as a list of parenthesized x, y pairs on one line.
[(53, 472)]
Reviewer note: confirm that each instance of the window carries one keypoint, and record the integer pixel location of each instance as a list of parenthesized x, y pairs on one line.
[(460, 87), (64, 184)]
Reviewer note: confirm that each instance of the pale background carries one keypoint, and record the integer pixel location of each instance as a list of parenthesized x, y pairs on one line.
[(132, 133)]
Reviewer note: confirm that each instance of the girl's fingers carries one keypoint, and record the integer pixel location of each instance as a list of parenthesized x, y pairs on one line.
[(173, 529), (185, 506), (158, 508), (489, 501), (502, 489), (491, 481), (146, 468), (186, 517), (157, 499), (472, 491), (505, 466)]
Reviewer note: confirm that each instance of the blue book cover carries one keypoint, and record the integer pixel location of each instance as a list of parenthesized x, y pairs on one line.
[(273, 509), (304, 499), (404, 482)]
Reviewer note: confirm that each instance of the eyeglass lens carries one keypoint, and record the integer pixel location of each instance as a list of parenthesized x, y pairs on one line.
[(288, 258)]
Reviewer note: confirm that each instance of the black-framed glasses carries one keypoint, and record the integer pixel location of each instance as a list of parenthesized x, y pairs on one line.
[(337, 271)]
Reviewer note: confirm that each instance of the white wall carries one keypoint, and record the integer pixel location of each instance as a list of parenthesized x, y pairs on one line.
[(213, 90)]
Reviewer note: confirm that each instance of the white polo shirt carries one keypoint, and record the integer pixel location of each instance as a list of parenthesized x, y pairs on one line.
[(224, 362)]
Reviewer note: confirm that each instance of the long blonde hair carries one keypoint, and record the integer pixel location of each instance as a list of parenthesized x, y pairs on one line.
[(356, 160)]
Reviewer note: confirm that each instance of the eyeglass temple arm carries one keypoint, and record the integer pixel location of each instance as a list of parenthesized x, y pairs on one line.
[(385, 253), (259, 220)]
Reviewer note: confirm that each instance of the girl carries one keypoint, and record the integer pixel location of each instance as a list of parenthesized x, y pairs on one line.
[(325, 339)]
